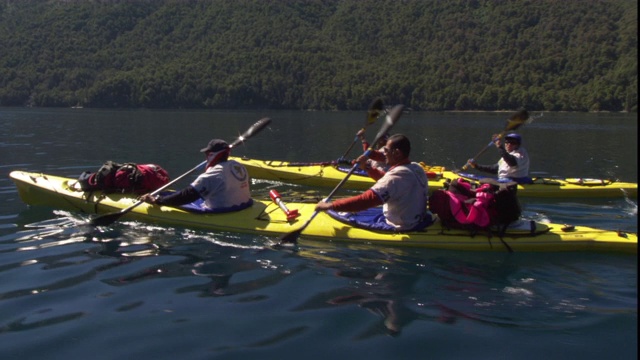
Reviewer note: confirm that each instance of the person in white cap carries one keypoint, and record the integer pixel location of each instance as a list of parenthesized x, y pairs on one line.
[(224, 185)]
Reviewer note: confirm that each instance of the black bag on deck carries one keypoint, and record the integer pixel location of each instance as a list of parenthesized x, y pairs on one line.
[(505, 208)]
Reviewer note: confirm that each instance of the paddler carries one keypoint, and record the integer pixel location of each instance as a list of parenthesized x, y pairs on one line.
[(224, 185), (514, 161), (402, 190)]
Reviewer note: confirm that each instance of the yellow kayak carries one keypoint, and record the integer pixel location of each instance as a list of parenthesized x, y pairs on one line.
[(267, 219), (329, 174)]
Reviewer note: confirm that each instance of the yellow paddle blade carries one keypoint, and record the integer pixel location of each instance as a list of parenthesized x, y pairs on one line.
[(375, 109), (516, 120)]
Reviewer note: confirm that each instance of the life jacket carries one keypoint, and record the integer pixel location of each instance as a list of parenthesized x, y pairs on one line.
[(469, 207), (127, 177)]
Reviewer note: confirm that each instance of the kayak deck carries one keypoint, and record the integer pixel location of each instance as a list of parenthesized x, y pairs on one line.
[(266, 219), (330, 174)]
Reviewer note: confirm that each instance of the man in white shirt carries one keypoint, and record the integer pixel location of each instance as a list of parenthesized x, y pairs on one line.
[(224, 185), (402, 190)]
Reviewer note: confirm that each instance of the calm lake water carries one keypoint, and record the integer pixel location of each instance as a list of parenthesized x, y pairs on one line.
[(144, 291)]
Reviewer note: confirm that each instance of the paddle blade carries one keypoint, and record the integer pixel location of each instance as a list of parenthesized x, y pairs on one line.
[(516, 120), (292, 237), (391, 119), (254, 129), (106, 219), (375, 109)]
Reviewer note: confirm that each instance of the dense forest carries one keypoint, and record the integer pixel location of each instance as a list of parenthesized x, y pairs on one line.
[(570, 55)]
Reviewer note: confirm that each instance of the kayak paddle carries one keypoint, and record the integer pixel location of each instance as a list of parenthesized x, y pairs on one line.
[(515, 121), (107, 219), (374, 111), (390, 121)]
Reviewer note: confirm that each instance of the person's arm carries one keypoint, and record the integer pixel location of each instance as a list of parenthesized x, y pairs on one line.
[(375, 173), (375, 154), (185, 196), (366, 200), (365, 144), (508, 158), (364, 164)]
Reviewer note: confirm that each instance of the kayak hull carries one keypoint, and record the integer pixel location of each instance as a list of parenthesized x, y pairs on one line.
[(267, 219), (330, 175)]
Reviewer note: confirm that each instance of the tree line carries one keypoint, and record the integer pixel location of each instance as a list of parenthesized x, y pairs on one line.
[(545, 55)]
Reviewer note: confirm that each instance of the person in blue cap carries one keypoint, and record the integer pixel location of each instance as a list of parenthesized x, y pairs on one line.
[(514, 160), (224, 185)]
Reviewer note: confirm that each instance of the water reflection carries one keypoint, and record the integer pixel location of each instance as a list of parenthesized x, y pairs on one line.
[(403, 289), (496, 290)]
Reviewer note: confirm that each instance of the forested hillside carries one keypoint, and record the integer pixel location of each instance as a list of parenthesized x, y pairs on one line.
[(571, 55)]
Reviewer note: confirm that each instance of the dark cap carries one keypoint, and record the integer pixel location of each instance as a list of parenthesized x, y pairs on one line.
[(215, 145), (514, 136)]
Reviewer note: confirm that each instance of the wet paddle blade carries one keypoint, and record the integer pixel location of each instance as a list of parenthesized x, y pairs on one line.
[(106, 219), (391, 119), (292, 237), (516, 120), (254, 129), (375, 109)]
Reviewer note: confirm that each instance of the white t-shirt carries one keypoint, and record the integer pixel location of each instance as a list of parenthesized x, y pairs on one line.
[(224, 185), (520, 170), (404, 190)]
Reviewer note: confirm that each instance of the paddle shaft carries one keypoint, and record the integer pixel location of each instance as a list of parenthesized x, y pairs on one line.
[(355, 140), (491, 143), (374, 111)]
